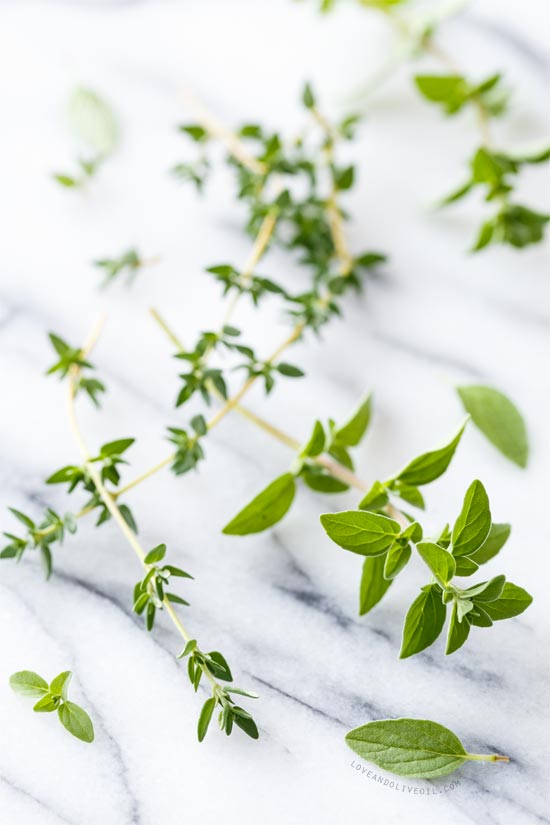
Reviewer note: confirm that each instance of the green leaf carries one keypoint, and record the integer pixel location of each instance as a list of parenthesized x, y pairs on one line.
[(93, 121), (498, 419), (28, 683), (266, 509), (365, 533), (474, 522), (429, 466), (116, 447), (396, 559), (373, 584), (289, 370), (487, 591), (128, 517), (440, 562), (219, 666), (247, 724), (22, 518), (458, 631), (77, 721), (308, 98), (46, 705), (424, 621), (155, 555), (376, 499), (205, 717), (316, 442), (60, 684), (189, 648), (408, 747), (512, 601), (497, 538), (351, 433), (451, 91)]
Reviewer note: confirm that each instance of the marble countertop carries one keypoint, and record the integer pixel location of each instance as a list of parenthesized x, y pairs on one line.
[(281, 605)]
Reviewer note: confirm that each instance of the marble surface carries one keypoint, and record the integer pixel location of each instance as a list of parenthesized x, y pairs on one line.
[(281, 605)]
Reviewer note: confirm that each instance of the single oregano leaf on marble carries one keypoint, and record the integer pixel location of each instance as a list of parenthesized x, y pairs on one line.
[(499, 420), (416, 748)]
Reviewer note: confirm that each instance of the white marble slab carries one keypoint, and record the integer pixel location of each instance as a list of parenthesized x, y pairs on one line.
[(281, 605)]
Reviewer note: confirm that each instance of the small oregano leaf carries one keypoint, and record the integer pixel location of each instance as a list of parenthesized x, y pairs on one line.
[(77, 721), (351, 433), (424, 621), (440, 562), (373, 584), (60, 684), (368, 534), (205, 717), (495, 541), (512, 601), (429, 466), (474, 522), (416, 748), (498, 419), (28, 683), (93, 122), (266, 509)]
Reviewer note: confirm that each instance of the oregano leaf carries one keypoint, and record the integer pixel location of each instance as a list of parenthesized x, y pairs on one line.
[(498, 419), (351, 433), (362, 532), (424, 621), (474, 522), (429, 466), (417, 748), (266, 509), (373, 583), (76, 721)]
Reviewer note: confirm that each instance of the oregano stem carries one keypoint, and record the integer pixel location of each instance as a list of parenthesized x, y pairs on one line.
[(487, 757)]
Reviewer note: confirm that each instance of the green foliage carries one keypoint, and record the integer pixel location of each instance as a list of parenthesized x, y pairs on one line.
[(151, 592), (453, 92), (385, 535), (71, 358), (94, 125), (266, 509), (498, 419), (129, 262), (513, 224), (54, 697), (214, 666), (303, 207), (416, 748), (49, 530)]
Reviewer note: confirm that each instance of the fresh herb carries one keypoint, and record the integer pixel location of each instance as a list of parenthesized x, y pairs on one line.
[(385, 535), (96, 131), (499, 420), (492, 169), (54, 697), (416, 748), (130, 262)]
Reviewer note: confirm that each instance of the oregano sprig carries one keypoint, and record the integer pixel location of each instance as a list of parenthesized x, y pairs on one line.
[(53, 697)]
